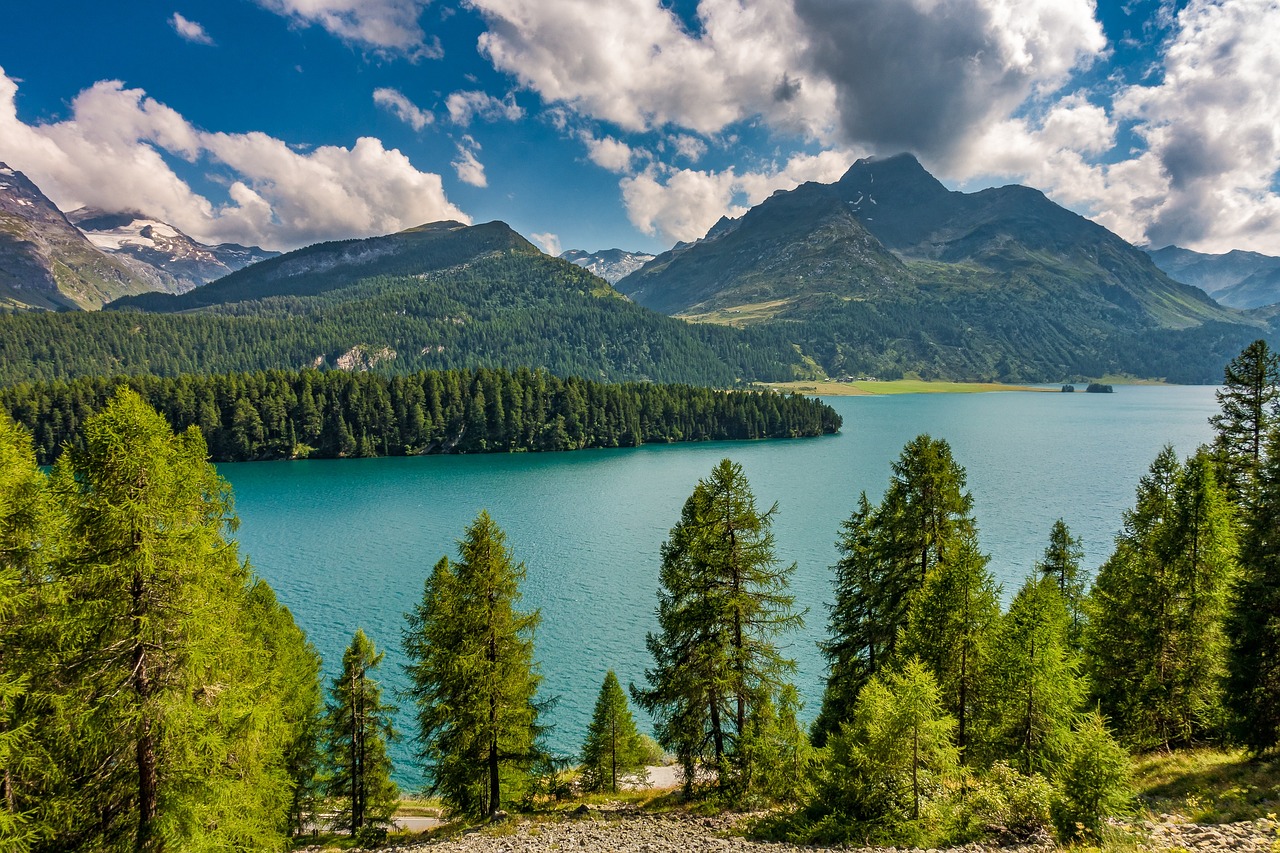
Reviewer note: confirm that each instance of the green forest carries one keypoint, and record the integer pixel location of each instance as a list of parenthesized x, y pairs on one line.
[(331, 414), (154, 695)]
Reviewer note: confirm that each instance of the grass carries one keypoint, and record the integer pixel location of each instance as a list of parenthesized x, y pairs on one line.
[(1207, 785), (895, 386)]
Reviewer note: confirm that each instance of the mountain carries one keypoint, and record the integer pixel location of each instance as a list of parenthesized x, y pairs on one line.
[(440, 296), (177, 261), (45, 262), (612, 265), (887, 272), (1239, 279)]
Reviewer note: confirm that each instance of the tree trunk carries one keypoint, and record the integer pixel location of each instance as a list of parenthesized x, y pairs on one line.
[(145, 752)]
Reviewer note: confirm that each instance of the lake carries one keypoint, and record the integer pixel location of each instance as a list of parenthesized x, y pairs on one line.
[(348, 543)]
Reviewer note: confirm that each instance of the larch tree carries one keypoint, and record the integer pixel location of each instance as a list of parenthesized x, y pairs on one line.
[(1061, 563), (356, 730), (1155, 642), (1253, 627), (722, 602), (1038, 687), (1248, 398), (952, 628), (473, 678), (886, 552), (613, 750)]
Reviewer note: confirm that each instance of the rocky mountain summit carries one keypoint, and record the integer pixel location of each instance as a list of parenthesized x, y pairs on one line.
[(612, 265), (1236, 278)]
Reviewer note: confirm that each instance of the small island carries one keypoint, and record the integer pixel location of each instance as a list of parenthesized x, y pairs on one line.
[(1098, 388)]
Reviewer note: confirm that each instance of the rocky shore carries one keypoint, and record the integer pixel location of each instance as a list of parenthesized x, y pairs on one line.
[(602, 831)]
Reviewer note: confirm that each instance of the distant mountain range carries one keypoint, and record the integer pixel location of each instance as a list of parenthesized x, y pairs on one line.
[(884, 272), (1239, 279), (612, 265), (89, 257), (889, 273)]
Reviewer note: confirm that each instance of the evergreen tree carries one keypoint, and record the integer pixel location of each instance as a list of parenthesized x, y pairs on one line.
[(1250, 389), (1092, 779), (357, 728), (951, 629), (723, 600), (886, 554), (473, 678), (1253, 627), (162, 730), (1061, 562), (1155, 638), (613, 749), (1038, 687), (889, 760)]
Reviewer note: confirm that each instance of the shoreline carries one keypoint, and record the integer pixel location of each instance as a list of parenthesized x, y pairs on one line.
[(877, 388)]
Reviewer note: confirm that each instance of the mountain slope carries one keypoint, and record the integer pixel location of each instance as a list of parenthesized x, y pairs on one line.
[(887, 272), (178, 262), (45, 262), (1239, 279), (439, 296)]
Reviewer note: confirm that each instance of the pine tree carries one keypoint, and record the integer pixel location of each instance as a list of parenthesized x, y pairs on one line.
[(357, 729), (1155, 641), (722, 601), (1250, 389), (1092, 779), (613, 750), (951, 629), (886, 554), (1039, 690), (1253, 629), (473, 678), (1061, 562)]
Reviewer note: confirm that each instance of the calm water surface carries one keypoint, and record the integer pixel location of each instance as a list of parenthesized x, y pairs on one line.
[(348, 543)]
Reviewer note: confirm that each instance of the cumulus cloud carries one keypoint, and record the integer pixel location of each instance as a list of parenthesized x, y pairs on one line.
[(467, 165), (609, 153), (683, 204), (402, 108), (550, 243), (111, 153), (189, 30), (633, 63), (390, 26), (466, 106), (689, 147)]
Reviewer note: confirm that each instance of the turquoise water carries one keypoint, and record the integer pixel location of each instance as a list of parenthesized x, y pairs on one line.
[(348, 543)]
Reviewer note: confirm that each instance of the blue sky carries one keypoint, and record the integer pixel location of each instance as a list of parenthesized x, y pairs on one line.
[(636, 123)]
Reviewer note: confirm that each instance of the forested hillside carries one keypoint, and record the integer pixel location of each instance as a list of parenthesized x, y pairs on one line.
[(330, 414)]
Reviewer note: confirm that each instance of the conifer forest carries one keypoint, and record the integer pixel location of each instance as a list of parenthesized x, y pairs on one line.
[(156, 696)]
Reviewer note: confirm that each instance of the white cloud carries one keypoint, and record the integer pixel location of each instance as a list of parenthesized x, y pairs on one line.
[(390, 26), (468, 166), (550, 243), (189, 30), (469, 105), (1205, 177), (111, 153), (689, 147), (403, 108), (609, 153), (683, 204)]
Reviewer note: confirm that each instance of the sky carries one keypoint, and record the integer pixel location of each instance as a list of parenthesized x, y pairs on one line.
[(594, 124)]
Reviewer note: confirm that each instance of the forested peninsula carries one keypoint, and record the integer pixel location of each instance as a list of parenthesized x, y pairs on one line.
[(280, 414)]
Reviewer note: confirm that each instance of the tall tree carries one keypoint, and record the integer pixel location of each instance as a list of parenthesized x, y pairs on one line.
[(357, 728), (474, 681), (886, 552), (1036, 679), (613, 749), (1061, 563), (1253, 627), (723, 599), (1155, 641), (1250, 389), (952, 628), (164, 731)]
